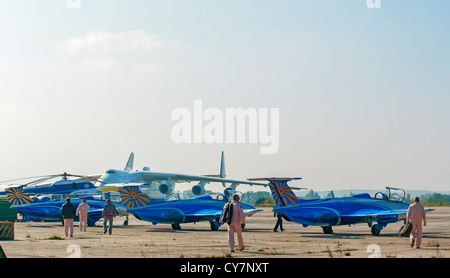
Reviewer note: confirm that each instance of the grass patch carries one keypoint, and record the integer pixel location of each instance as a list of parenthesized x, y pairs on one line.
[(55, 237)]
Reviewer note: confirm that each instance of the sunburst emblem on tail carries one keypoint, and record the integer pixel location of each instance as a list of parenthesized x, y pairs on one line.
[(17, 196), (133, 197), (282, 193)]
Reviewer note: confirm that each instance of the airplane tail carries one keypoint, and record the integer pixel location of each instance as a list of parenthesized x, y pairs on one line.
[(17, 196), (222, 173), (222, 167), (282, 194), (132, 196), (129, 166)]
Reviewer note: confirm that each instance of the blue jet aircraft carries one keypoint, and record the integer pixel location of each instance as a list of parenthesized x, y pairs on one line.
[(204, 208), (43, 208), (360, 208)]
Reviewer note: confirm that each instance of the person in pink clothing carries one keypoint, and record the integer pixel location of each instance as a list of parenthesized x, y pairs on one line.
[(236, 225), (82, 213), (415, 216)]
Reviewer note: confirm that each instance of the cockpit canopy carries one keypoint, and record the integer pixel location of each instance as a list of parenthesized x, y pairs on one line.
[(395, 194), (392, 194)]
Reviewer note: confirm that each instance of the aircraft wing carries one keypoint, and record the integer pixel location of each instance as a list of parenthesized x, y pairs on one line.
[(374, 212), (250, 212), (89, 178), (205, 212), (153, 176)]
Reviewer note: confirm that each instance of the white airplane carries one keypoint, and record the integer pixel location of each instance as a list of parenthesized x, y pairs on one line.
[(161, 185)]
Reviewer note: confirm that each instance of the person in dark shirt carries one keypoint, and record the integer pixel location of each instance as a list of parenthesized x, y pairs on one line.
[(109, 212), (68, 212)]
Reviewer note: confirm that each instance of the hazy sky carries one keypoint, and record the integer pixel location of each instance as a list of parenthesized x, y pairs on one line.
[(363, 94)]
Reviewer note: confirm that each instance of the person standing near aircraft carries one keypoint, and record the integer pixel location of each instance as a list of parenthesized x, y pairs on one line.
[(109, 212), (236, 225), (82, 213), (68, 212), (279, 222), (415, 216)]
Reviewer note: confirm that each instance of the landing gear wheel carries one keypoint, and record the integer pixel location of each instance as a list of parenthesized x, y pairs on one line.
[(176, 226), (327, 230), (376, 229)]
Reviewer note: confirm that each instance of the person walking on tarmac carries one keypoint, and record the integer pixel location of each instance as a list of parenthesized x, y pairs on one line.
[(279, 222), (68, 212), (82, 213), (236, 225), (415, 216), (108, 214)]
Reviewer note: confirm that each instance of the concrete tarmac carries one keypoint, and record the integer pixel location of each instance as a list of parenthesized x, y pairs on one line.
[(141, 239)]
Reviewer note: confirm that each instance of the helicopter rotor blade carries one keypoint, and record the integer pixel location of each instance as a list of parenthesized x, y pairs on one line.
[(35, 177), (39, 179)]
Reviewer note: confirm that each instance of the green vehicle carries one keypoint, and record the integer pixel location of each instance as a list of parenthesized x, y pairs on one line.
[(6, 212)]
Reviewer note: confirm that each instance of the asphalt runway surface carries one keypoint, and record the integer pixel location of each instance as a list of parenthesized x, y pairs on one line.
[(141, 239)]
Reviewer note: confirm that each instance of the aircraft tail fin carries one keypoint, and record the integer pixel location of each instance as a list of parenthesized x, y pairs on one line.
[(132, 196), (222, 167), (222, 173), (282, 193), (129, 166), (16, 196)]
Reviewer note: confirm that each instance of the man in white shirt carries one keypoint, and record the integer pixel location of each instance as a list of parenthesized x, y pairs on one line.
[(82, 213), (236, 225), (415, 216)]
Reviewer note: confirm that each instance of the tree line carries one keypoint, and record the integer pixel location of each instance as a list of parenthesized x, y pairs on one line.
[(264, 198)]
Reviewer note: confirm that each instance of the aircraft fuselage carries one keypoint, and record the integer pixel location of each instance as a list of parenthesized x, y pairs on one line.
[(333, 211), (183, 211)]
